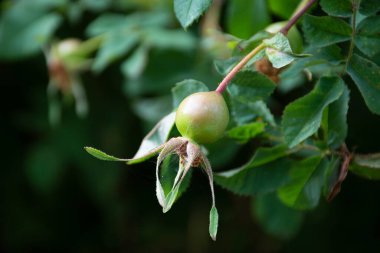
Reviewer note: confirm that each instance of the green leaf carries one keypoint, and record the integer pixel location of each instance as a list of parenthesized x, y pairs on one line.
[(264, 173), (283, 8), (265, 155), (135, 64), (367, 166), (114, 47), (170, 198), (185, 88), (155, 138), (103, 156), (245, 18), (324, 31), (169, 39), (214, 218), (279, 51), (337, 120), (24, 35), (106, 23), (369, 7), (150, 145), (341, 8), (276, 218), (366, 76), (169, 170), (246, 132), (248, 86), (246, 112), (367, 38), (223, 67), (187, 11), (304, 190), (331, 176), (302, 117)]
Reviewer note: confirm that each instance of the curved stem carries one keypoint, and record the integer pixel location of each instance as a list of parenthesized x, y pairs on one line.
[(223, 85), (297, 16)]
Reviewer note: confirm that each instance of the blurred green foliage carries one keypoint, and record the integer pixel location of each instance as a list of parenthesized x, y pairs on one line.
[(55, 198)]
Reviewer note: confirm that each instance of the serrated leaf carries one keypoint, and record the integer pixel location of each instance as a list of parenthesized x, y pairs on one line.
[(265, 155), (337, 120), (324, 31), (276, 218), (279, 51), (366, 76), (185, 88), (156, 137), (251, 180), (115, 45), (302, 117), (249, 86), (243, 113), (223, 67), (369, 7), (304, 190), (187, 11), (340, 8), (367, 166), (244, 133), (367, 38), (214, 219)]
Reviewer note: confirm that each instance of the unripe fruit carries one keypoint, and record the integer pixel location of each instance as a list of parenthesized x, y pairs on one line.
[(67, 47), (202, 117)]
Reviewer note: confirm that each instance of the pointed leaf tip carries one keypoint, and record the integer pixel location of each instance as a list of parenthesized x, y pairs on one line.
[(214, 218), (102, 156)]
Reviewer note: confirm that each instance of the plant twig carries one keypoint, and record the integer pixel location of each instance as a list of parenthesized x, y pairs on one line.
[(297, 16), (347, 157), (355, 7), (223, 84)]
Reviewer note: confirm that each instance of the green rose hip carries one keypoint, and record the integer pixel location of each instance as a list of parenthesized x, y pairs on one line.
[(202, 117)]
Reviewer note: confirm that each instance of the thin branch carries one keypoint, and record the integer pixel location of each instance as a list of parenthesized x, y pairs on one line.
[(355, 7), (297, 16), (223, 84)]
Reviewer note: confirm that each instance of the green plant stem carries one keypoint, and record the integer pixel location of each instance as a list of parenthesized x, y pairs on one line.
[(223, 85), (226, 80), (355, 7)]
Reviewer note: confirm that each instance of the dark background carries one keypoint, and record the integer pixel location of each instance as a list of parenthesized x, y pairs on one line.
[(56, 198)]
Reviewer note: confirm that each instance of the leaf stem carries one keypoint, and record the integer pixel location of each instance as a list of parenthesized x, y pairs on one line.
[(355, 7), (296, 16), (223, 84)]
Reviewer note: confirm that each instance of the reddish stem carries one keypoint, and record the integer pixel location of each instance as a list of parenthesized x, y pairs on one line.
[(223, 84), (297, 16)]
